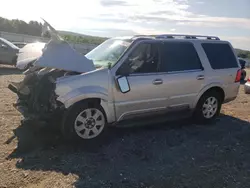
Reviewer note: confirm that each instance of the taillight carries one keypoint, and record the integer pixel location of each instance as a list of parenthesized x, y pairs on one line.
[(238, 76), (248, 80)]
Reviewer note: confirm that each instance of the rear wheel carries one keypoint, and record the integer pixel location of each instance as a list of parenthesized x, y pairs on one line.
[(84, 122), (208, 107)]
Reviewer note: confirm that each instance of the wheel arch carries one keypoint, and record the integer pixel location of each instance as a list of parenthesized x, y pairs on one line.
[(90, 93), (216, 87), (73, 112), (91, 101)]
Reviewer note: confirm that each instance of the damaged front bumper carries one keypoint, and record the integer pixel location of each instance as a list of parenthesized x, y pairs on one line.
[(33, 110), (29, 115)]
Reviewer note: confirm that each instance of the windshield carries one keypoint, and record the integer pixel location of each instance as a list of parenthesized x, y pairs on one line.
[(108, 52), (9, 43)]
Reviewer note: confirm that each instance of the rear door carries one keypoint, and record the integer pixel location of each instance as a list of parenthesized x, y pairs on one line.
[(224, 66), (183, 76), (222, 60)]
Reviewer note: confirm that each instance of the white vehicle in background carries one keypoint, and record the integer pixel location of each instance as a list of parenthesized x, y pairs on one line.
[(247, 86), (19, 44), (29, 54), (8, 52)]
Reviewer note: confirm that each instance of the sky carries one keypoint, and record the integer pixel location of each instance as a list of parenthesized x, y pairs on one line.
[(228, 19)]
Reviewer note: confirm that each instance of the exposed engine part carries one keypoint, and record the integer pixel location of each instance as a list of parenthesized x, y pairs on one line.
[(36, 91)]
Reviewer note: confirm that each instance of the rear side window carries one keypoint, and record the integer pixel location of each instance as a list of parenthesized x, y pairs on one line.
[(179, 56), (220, 56)]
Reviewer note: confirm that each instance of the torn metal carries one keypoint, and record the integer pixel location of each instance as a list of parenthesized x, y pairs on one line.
[(56, 59)]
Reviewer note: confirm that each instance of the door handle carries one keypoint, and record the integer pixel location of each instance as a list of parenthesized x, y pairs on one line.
[(200, 77), (157, 81)]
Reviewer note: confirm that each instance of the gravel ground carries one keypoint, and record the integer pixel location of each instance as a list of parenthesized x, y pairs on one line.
[(177, 154)]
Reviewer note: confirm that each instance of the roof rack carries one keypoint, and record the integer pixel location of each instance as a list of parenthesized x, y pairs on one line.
[(172, 36)]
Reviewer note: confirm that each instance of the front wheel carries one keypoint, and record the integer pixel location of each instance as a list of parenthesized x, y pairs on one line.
[(84, 122), (208, 107)]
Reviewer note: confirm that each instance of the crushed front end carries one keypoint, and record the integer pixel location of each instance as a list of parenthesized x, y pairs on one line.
[(36, 94)]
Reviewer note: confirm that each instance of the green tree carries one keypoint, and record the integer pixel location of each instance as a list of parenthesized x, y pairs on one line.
[(35, 28)]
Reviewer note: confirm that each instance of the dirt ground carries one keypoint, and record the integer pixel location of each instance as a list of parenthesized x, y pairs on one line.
[(177, 154)]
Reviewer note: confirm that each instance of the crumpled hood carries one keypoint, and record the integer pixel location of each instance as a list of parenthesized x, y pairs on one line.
[(30, 52), (60, 55)]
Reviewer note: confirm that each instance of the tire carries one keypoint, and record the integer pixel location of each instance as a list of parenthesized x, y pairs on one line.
[(84, 122), (208, 107)]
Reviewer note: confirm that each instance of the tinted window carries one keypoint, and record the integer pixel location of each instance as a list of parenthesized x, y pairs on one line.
[(220, 56), (179, 56), (144, 58)]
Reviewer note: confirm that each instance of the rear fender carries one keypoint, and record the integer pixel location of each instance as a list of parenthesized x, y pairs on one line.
[(203, 90)]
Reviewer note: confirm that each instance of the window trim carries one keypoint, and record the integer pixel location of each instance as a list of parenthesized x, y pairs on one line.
[(168, 73), (183, 71)]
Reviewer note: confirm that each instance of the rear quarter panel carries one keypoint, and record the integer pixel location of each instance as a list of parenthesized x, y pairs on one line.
[(223, 78)]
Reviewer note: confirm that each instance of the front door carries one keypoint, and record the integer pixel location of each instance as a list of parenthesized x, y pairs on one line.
[(146, 84)]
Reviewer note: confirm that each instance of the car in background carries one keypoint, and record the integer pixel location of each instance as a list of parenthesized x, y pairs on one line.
[(19, 44), (8, 52), (29, 54), (247, 86)]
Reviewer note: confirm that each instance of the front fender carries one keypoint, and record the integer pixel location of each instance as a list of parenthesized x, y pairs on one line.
[(89, 92), (82, 93)]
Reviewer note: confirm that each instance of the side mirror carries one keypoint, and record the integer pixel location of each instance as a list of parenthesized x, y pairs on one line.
[(123, 84)]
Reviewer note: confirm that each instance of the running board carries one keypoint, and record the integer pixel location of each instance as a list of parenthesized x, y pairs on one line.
[(172, 116)]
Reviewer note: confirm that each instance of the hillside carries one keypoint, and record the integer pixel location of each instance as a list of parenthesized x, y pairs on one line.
[(34, 28), (243, 53), (72, 33), (81, 38)]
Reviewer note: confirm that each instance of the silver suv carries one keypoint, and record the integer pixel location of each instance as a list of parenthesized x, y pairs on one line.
[(129, 80)]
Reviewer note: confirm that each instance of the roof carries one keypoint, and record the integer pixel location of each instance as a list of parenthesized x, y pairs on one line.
[(177, 36)]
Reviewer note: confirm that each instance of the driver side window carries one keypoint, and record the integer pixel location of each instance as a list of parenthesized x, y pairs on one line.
[(144, 59)]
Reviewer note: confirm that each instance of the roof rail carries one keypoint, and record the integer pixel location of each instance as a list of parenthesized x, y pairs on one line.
[(171, 36)]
